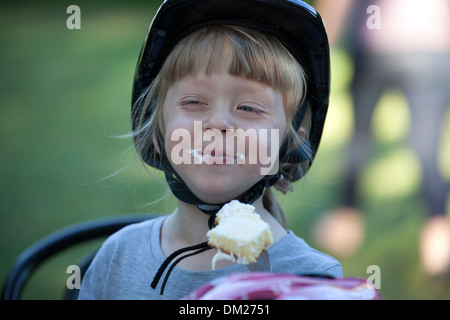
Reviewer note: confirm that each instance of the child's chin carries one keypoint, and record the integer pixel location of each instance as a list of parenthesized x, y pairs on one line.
[(218, 193)]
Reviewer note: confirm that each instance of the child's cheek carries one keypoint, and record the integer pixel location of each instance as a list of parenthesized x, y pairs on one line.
[(268, 151), (178, 143), (260, 147)]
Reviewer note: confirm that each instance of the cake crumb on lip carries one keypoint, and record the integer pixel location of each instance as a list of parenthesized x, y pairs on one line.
[(219, 158)]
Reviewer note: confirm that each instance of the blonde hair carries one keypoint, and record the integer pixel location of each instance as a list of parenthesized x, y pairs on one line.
[(255, 56)]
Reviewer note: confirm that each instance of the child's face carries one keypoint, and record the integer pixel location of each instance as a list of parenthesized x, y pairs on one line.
[(202, 112)]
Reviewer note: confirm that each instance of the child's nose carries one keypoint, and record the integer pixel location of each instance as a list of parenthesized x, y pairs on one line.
[(219, 119)]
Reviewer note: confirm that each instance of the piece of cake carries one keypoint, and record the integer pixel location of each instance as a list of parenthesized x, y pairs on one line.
[(239, 235)]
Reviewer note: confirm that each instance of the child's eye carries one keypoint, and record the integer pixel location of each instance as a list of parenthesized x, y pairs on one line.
[(248, 108), (192, 103), (186, 102)]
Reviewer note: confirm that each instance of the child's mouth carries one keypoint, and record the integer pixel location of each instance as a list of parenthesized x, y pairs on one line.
[(216, 157)]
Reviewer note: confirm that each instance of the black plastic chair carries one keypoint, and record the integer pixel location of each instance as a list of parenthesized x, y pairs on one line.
[(30, 259)]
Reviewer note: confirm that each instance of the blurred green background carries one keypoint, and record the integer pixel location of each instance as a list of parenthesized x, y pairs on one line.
[(64, 105)]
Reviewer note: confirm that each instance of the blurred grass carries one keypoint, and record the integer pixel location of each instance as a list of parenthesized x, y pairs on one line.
[(65, 95)]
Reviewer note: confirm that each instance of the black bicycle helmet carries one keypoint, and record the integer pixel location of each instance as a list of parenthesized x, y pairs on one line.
[(298, 27)]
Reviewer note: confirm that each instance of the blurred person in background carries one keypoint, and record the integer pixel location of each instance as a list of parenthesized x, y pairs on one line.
[(401, 44)]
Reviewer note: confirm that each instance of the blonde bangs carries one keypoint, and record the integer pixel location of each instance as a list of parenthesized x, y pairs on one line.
[(255, 56)]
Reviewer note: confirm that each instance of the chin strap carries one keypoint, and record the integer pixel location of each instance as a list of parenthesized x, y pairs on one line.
[(210, 210), (201, 247)]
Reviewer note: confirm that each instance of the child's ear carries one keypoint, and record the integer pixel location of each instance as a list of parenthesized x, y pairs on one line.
[(155, 143), (303, 134)]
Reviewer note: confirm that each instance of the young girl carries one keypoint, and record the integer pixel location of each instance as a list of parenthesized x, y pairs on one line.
[(210, 70)]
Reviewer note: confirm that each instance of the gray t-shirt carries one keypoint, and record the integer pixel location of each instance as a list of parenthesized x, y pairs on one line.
[(128, 260)]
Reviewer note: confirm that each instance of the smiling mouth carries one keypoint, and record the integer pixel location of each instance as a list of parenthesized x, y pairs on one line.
[(216, 158)]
